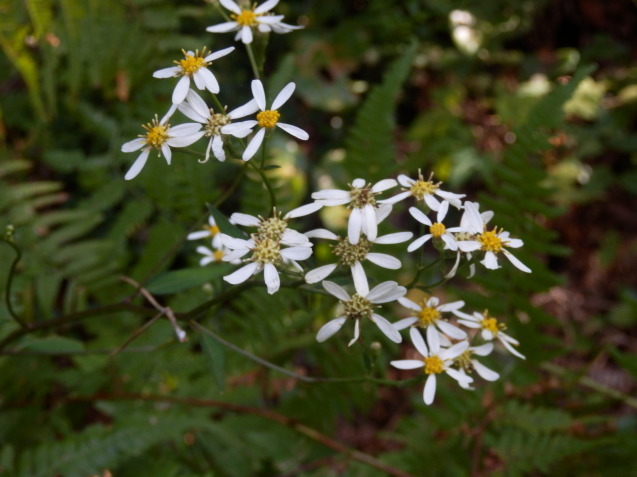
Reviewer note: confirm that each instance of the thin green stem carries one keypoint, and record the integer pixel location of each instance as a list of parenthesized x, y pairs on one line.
[(220, 107), (267, 184), (253, 61), (237, 180), (7, 291)]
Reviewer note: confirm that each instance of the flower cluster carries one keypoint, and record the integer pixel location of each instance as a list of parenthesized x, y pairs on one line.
[(450, 226)]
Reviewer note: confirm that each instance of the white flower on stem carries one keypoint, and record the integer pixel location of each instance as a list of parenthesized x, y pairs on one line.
[(267, 118), (209, 231), (466, 363), (245, 20), (424, 190), (491, 242), (352, 255), (361, 198), (437, 230), (160, 136), (491, 329), (216, 255), (266, 255), (360, 305), (436, 361), (194, 65), (430, 314), (215, 124)]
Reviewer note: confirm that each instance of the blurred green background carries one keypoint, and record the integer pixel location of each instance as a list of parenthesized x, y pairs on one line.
[(529, 107)]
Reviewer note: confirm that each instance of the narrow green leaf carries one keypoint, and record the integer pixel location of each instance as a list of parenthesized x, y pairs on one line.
[(215, 353), (178, 280), (52, 345)]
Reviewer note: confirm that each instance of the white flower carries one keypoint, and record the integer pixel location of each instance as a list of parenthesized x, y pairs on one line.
[(437, 230), (430, 315), (352, 255), (161, 137), (436, 361), (491, 242), (267, 254), (366, 213), (215, 125), (257, 17), (491, 330), (423, 190), (361, 305), (466, 363), (195, 66), (210, 230), (267, 118), (210, 256)]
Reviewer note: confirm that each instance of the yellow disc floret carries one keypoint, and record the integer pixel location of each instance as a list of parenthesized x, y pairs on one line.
[(428, 316), (156, 134), (491, 324), (358, 307), (192, 63), (218, 254), (490, 241), (268, 119), (212, 230), (434, 365), (437, 229), (245, 18), (421, 187), (266, 250)]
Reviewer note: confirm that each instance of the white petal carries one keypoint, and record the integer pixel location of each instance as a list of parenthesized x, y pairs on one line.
[(370, 226), (359, 276), (188, 110), (138, 165), (181, 89), (358, 183), (354, 226), (407, 364), (320, 273), (283, 95), (383, 185), (321, 233), (231, 5), (396, 198), (239, 127), (183, 141), (463, 379), (418, 341), (217, 148), (511, 349), (185, 129), (303, 210), (519, 265), (468, 245), (198, 235), (336, 290), (271, 276), (398, 237), (357, 332), (218, 54), (430, 389), (442, 212), (384, 260), (471, 218), (246, 35), (266, 7), (490, 261), (209, 80), (420, 216), (244, 219), (361, 286), (294, 131), (407, 303), (329, 328), (433, 340), (165, 150), (450, 242), (295, 239), (514, 243), (455, 351), (419, 242), (450, 330), (484, 372), (405, 323), (250, 107), (134, 145), (242, 274), (483, 350), (258, 93), (452, 306), (385, 292), (405, 181), (296, 253), (387, 328), (432, 202), (223, 27), (253, 145), (167, 72)]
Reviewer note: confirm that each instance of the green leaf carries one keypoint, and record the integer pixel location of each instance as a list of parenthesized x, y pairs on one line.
[(52, 345), (224, 224), (216, 359), (178, 280)]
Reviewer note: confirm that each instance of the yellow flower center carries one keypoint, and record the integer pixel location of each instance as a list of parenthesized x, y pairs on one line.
[(433, 365), (272, 228), (156, 134), (245, 18), (437, 229), (490, 241), (266, 250), (361, 197), (491, 324), (358, 307), (464, 361), (422, 188), (268, 119), (192, 63), (348, 253), (215, 122), (218, 254), (212, 229), (428, 316)]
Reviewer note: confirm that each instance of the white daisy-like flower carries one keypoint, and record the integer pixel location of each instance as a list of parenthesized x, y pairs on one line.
[(212, 256), (437, 360), (466, 363), (194, 65), (209, 231), (352, 255), (266, 255), (361, 198), (215, 124), (161, 137), (430, 315), (491, 242), (424, 190), (491, 329), (361, 305), (267, 118), (437, 230), (245, 20)]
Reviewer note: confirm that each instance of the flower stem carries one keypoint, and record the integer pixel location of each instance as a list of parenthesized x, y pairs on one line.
[(267, 184), (253, 61)]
